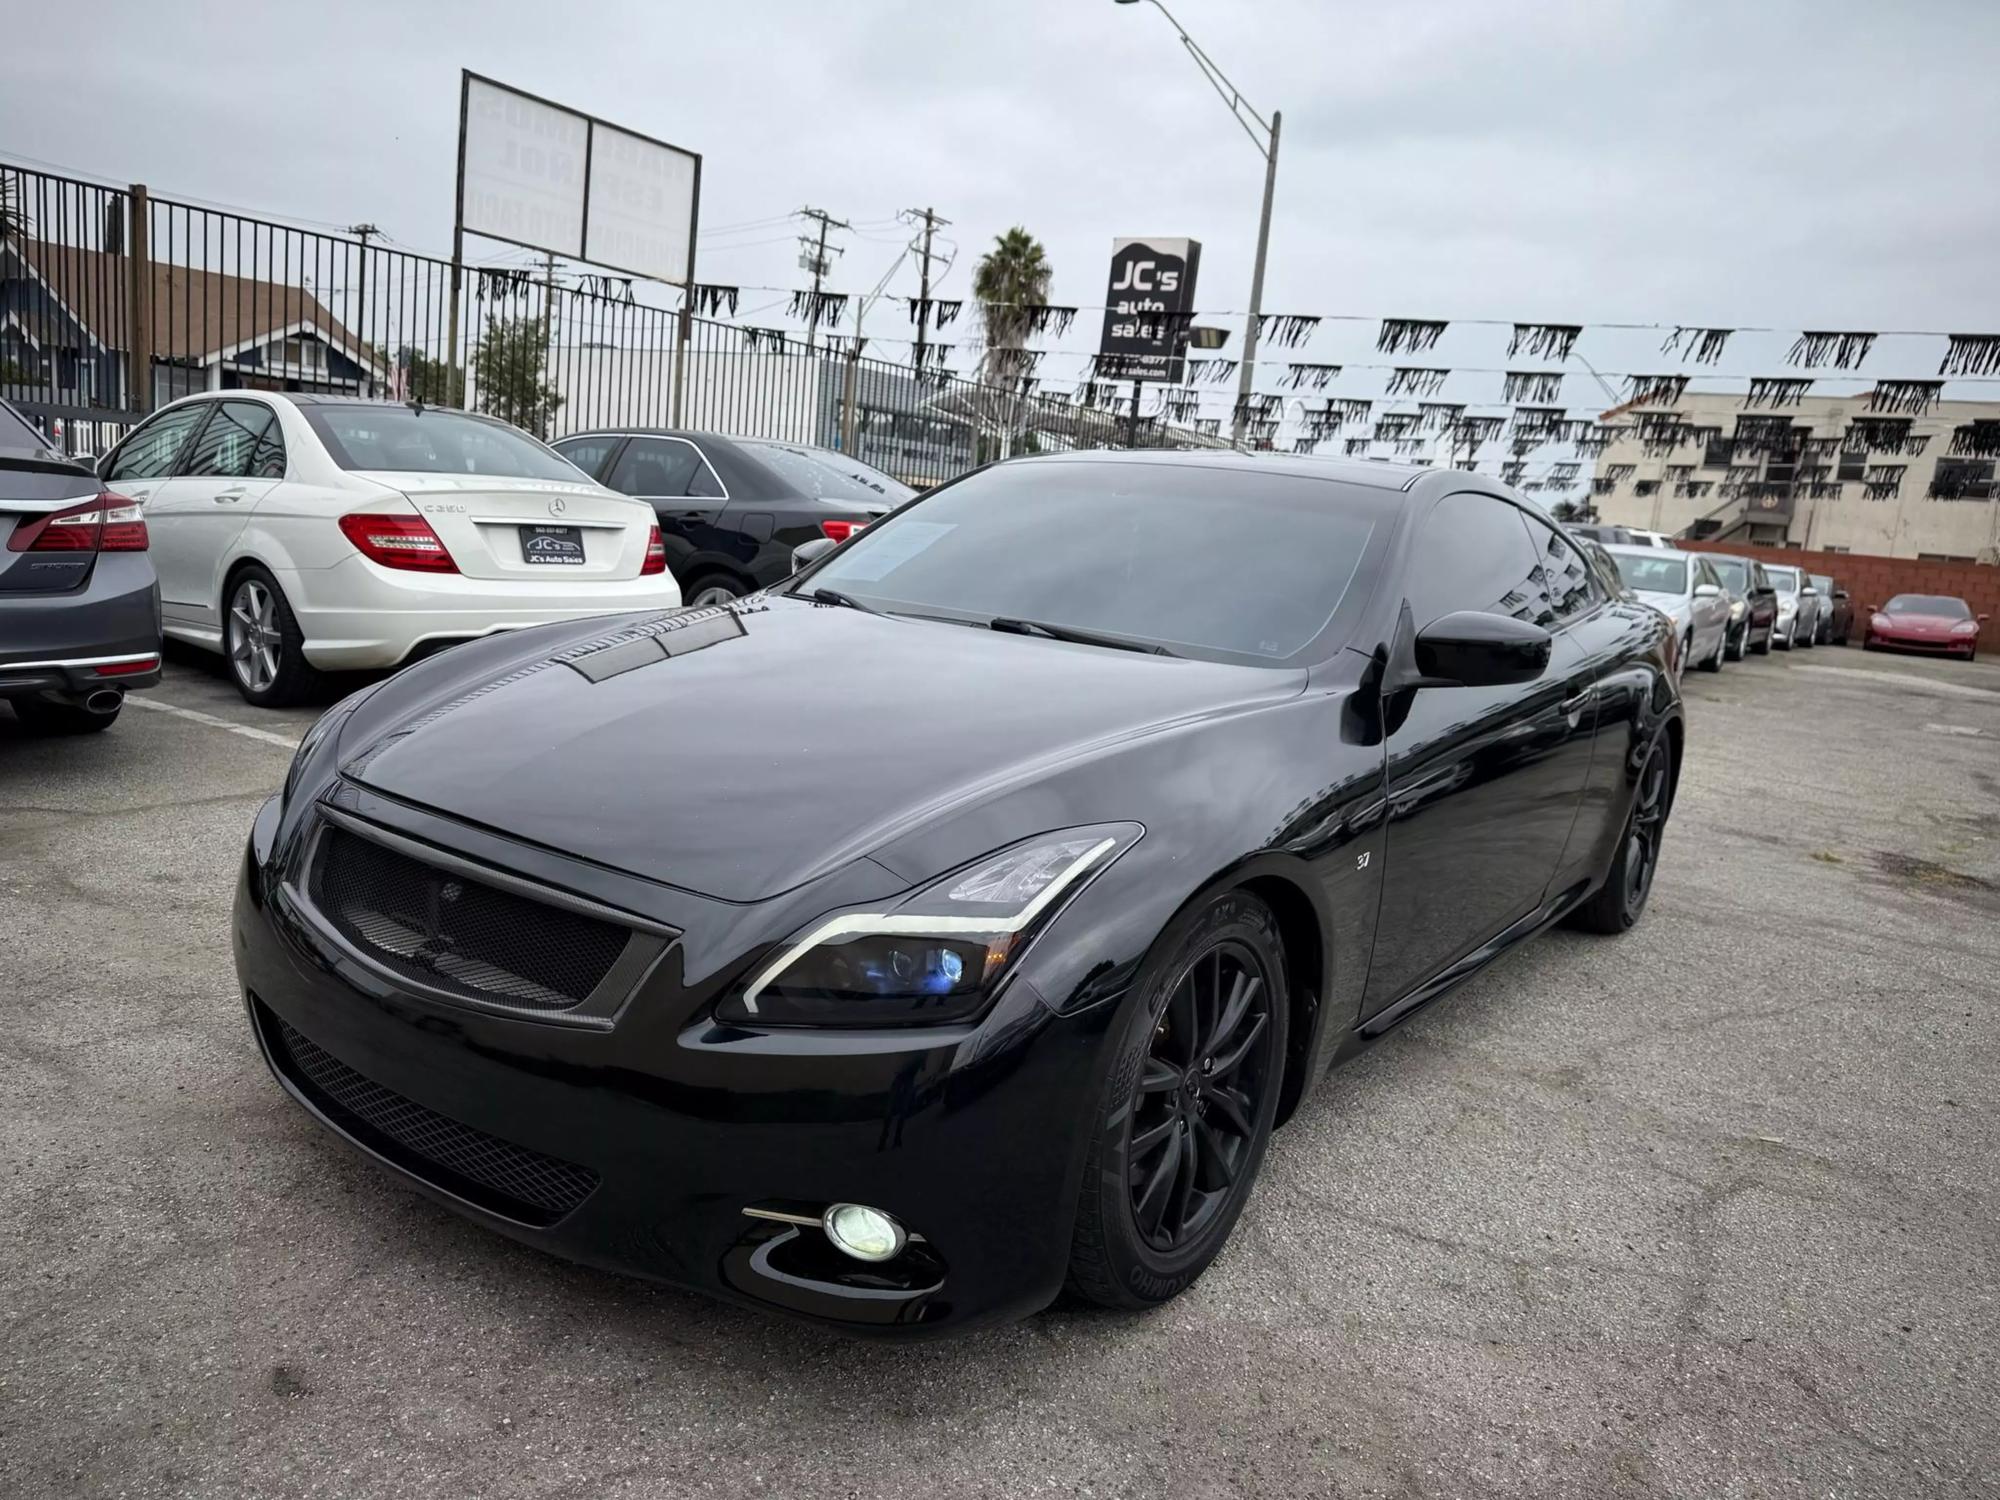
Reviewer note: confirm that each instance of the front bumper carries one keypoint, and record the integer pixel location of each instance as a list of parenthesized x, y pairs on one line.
[(1963, 645), (356, 616), (661, 1127)]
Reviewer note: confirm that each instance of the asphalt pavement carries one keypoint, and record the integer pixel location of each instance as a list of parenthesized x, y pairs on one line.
[(1707, 1210)]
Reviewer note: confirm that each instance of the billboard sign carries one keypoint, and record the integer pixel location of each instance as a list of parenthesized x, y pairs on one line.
[(545, 177), (1148, 307)]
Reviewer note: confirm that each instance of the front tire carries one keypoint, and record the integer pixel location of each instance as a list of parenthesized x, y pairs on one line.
[(1621, 900), (1765, 648), (1188, 1106), (263, 644), (1714, 662)]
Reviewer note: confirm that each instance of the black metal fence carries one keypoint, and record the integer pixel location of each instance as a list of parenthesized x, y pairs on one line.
[(114, 301)]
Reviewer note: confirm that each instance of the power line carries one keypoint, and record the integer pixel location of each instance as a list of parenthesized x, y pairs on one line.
[(818, 264)]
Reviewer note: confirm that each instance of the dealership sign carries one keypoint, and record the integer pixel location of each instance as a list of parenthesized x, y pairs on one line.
[(1147, 309)]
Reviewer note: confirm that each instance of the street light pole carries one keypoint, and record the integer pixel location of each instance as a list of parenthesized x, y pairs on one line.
[(1267, 147)]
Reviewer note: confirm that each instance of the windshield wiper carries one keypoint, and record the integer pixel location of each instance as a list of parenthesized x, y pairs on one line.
[(845, 601), (1068, 633)]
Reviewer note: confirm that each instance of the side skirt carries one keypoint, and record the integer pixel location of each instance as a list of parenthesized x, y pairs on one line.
[(1379, 1025)]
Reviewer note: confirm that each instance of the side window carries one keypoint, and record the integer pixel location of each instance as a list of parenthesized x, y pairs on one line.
[(1473, 554), (705, 483), (150, 452), (1565, 586), (229, 446), (655, 466), (587, 453)]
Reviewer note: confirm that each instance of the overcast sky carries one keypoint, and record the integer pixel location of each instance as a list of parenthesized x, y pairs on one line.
[(1826, 164)]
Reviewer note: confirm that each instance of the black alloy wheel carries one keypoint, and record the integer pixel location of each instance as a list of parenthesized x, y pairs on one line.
[(1191, 1129), (1188, 1106), (1618, 903)]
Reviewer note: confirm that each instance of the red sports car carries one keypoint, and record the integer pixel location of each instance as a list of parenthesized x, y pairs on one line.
[(1925, 622)]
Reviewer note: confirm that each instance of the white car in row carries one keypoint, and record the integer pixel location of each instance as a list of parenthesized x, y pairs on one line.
[(297, 534), (1684, 587)]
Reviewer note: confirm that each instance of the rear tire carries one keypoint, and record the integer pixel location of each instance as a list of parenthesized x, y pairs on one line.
[(707, 589), (263, 644), (1187, 1108), (1621, 900), (39, 716)]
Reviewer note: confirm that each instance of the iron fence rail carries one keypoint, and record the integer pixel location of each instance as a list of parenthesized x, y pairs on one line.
[(114, 301)]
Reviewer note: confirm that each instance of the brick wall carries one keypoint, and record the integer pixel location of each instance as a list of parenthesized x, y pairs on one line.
[(1872, 580)]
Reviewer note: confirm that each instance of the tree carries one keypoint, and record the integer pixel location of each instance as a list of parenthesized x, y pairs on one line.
[(1010, 278), (431, 381), (508, 374)]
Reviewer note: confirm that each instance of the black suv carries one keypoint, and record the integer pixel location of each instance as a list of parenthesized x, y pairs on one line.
[(732, 508)]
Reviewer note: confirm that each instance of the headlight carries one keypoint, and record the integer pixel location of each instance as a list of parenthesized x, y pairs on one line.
[(1966, 627), (325, 729), (1736, 609), (935, 955), (1880, 622)]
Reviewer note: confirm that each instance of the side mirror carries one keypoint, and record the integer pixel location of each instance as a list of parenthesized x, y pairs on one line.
[(812, 551), (1706, 591), (1984, 618), (1840, 594), (1472, 649)]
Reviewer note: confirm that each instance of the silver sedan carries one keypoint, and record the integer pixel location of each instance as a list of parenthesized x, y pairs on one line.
[(1684, 587)]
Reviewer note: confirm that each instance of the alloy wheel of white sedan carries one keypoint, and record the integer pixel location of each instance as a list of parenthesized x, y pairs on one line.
[(255, 642)]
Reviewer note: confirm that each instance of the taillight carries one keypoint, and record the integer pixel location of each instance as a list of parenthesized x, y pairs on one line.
[(840, 531), (405, 542), (656, 554), (108, 523)]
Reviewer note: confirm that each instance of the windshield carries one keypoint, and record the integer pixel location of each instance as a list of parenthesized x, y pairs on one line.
[(826, 475), (1786, 579), (1928, 604), (431, 440), (1653, 575), (1230, 564), (1821, 582), (1735, 573)]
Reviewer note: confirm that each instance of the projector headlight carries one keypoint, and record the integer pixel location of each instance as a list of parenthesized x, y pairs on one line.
[(936, 955)]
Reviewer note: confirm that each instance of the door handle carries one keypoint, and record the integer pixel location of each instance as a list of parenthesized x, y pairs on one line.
[(230, 496), (1577, 704)]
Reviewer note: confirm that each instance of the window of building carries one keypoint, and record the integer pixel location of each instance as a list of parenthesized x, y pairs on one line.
[(1962, 479), (1646, 487), (1853, 466), (1719, 454)]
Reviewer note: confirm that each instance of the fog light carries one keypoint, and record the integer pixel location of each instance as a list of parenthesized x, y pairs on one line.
[(864, 1233)]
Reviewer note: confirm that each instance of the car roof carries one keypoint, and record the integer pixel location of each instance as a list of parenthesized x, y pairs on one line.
[(1379, 476)]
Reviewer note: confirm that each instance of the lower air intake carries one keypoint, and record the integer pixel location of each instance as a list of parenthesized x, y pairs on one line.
[(499, 1176)]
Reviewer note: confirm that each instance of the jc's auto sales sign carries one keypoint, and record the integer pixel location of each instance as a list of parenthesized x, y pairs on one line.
[(1148, 307)]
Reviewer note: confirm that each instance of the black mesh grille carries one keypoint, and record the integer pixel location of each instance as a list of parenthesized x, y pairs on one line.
[(483, 1169), (456, 934)]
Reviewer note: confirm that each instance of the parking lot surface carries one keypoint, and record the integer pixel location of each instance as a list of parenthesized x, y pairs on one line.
[(1709, 1210)]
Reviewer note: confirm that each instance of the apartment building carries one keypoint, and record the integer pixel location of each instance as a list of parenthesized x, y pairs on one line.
[(1859, 473)]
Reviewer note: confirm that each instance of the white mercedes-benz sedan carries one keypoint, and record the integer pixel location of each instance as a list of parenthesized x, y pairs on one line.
[(297, 534)]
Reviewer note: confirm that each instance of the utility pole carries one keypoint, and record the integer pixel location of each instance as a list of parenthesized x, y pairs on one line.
[(814, 260), (932, 223)]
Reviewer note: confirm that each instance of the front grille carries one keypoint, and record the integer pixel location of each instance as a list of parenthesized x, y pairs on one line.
[(498, 1175), (453, 933)]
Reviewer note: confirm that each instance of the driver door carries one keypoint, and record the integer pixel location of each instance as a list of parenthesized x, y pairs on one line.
[(1483, 782)]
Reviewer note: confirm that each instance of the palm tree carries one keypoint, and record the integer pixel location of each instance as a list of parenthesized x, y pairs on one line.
[(1011, 277)]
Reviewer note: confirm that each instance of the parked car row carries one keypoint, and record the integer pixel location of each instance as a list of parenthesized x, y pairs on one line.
[(1725, 607), (297, 535)]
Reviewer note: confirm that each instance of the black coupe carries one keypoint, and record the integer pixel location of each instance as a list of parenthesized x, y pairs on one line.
[(959, 920), (732, 509)]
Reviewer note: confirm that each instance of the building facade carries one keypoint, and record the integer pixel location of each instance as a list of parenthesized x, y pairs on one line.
[(1824, 473)]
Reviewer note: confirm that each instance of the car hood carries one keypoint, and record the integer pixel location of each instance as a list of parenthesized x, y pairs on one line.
[(1935, 624), (1672, 604), (778, 741)]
